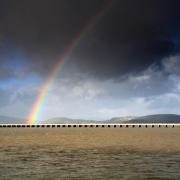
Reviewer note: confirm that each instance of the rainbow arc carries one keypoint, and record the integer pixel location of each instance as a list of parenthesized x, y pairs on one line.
[(41, 99)]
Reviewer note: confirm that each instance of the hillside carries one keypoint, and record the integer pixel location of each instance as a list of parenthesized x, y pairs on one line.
[(64, 120), (158, 118), (11, 120)]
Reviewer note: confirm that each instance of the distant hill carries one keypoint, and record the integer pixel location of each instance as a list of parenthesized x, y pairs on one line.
[(157, 118), (11, 120), (64, 120), (121, 119)]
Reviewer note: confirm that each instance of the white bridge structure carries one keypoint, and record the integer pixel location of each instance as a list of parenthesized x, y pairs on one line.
[(92, 125)]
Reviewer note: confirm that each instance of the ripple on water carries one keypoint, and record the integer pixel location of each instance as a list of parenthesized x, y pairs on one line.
[(59, 160)]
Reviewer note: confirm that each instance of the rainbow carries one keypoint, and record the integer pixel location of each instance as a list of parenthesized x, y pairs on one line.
[(41, 99)]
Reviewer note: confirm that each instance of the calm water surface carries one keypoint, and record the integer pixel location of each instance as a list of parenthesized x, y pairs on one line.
[(90, 153)]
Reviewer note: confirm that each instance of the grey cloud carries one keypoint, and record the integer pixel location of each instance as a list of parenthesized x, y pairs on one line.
[(6, 73), (5, 98), (172, 64)]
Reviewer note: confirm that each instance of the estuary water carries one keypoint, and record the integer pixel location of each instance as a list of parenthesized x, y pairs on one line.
[(84, 153)]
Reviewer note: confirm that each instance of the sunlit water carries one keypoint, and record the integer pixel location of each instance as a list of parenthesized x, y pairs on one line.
[(83, 153)]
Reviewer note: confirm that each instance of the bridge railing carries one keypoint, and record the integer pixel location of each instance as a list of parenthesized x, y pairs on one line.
[(142, 125)]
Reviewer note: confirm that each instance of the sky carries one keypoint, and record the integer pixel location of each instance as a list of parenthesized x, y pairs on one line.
[(118, 57)]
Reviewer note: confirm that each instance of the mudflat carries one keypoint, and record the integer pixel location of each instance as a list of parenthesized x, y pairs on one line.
[(85, 153)]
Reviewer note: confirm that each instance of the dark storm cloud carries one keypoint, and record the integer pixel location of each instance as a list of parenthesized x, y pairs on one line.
[(131, 36), (134, 35), (44, 28)]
